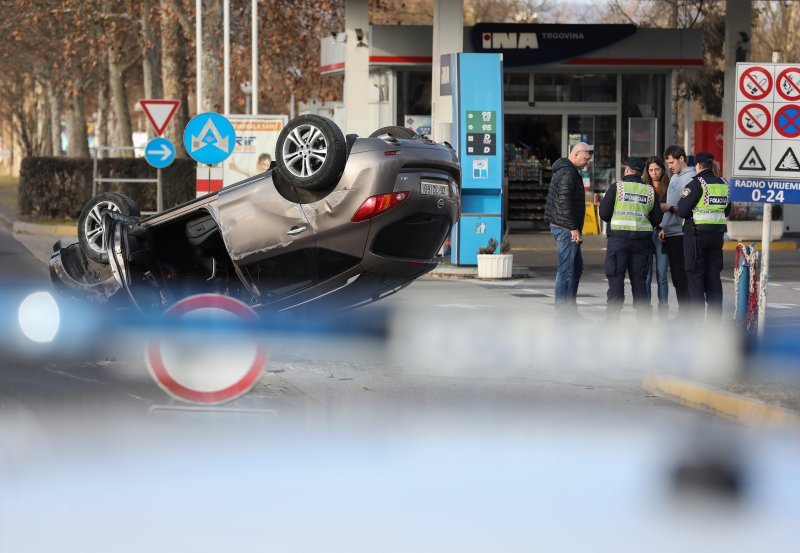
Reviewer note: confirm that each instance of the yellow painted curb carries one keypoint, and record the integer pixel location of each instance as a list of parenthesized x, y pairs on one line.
[(726, 404), (786, 245)]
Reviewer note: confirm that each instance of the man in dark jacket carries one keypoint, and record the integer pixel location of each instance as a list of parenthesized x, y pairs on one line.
[(704, 206), (632, 211), (565, 211)]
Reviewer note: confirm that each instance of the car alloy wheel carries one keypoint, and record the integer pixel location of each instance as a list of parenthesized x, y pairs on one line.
[(311, 152), (91, 234)]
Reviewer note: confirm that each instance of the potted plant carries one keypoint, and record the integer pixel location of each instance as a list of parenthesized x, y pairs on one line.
[(495, 265)]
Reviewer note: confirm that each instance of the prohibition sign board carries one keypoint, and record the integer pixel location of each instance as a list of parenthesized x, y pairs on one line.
[(787, 121), (788, 84), (754, 120), (755, 83), (207, 370)]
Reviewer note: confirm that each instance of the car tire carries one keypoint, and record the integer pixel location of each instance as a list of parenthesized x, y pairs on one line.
[(397, 132), (90, 223), (311, 152)]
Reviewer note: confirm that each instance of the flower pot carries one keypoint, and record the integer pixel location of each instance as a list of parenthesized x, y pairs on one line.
[(495, 265), (751, 230)]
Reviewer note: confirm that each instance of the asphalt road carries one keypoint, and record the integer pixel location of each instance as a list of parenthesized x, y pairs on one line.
[(329, 375)]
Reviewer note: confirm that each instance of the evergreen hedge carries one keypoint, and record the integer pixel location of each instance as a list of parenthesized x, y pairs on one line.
[(58, 187)]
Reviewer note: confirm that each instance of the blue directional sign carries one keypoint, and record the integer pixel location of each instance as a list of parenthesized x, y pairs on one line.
[(159, 152), (209, 138), (765, 190)]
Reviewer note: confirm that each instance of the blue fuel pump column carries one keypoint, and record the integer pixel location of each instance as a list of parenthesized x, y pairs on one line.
[(476, 84)]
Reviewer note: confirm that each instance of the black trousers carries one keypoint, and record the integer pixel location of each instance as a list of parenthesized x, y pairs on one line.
[(631, 255), (674, 250), (703, 261)]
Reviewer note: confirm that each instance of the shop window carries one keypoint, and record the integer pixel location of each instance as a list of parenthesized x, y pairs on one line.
[(557, 87), (413, 94), (644, 100), (516, 87)]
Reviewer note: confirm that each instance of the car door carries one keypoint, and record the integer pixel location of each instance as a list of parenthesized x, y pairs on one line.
[(340, 243), (268, 237)]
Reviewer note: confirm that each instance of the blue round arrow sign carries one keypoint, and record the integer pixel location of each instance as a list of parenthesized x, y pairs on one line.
[(159, 152), (209, 138)]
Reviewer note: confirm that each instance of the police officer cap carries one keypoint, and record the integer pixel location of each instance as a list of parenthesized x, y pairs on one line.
[(635, 163), (704, 157)]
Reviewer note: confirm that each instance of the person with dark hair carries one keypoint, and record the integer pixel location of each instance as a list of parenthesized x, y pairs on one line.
[(704, 206), (632, 212), (565, 210), (672, 233), (655, 174)]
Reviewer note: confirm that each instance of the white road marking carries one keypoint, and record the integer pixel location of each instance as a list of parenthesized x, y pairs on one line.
[(93, 381)]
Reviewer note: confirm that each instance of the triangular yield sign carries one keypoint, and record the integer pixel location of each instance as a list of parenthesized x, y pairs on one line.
[(788, 162), (159, 112), (752, 161)]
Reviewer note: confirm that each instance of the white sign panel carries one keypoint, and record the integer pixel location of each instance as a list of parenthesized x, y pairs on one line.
[(787, 83), (785, 162), (767, 133), (754, 82), (753, 120), (751, 158), (786, 121)]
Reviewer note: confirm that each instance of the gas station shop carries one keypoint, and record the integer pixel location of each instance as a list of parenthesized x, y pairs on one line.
[(608, 85)]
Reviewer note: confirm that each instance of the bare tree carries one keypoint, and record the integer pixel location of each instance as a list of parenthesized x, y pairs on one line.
[(778, 30)]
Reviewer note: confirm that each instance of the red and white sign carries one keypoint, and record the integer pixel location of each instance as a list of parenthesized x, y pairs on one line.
[(753, 120), (755, 83), (191, 367), (159, 113), (788, 84), (209, 179)]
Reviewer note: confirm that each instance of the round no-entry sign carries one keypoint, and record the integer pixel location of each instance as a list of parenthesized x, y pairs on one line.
[(212, 363)]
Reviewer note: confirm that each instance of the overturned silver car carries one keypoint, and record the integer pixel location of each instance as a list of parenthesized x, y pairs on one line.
[(335, 223)]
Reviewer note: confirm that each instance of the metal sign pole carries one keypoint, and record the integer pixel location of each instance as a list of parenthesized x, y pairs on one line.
[(254, 56), (198, 35), (159, 194), (777, 57), (226, 16)]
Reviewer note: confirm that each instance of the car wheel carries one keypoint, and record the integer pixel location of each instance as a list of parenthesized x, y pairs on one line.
[(90, 223), (311, 152), (397, 132)]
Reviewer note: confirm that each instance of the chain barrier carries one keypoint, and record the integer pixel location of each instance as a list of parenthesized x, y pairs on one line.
[(745, 278)]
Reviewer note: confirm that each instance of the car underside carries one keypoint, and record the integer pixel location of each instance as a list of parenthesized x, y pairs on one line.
[(273, 241)]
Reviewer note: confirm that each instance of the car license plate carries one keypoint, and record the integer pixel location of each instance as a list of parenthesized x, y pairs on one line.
[(433, 189)]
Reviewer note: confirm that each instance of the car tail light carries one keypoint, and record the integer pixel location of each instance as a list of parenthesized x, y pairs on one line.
[(375, 205)]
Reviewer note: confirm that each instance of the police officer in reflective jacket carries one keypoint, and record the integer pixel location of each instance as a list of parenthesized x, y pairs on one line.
[(704, 207), (631, 209)]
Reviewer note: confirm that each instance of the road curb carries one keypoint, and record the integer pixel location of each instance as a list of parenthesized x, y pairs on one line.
[(53, 230), (702, 397)]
